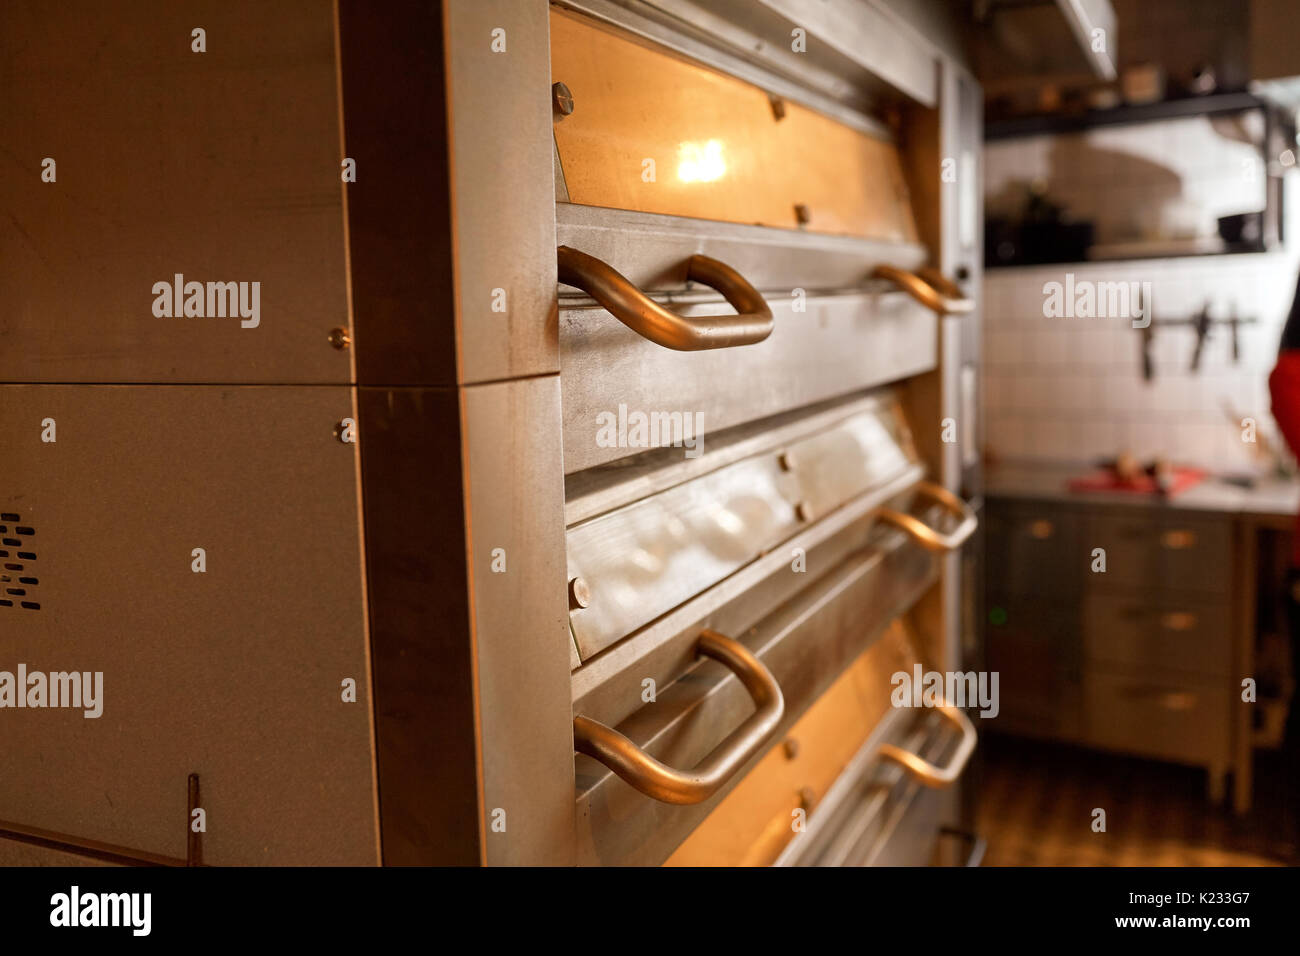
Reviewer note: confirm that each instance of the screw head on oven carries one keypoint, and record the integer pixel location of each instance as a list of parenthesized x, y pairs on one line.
[(561, 99), (579, 594)]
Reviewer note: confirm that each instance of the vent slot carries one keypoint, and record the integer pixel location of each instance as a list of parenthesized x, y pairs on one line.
[(23, 533)]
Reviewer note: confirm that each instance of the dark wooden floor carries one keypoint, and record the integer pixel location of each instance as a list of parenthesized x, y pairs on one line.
[(1037, 801)]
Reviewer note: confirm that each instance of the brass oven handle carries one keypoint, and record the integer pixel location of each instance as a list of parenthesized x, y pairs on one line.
[(929, 287), (926, 772), (643, 315), (929, 537), (662, 782)]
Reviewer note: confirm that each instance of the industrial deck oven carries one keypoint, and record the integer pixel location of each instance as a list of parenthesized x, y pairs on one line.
[(487, 432)]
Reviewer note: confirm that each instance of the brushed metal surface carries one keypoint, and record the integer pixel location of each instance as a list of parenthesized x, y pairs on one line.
[(840, 345), (610, 686), (426, 712), (234, 673), (604, 488), (642, 560), (806, 643), (393, 78), (872, 37), (503, 187), (222, 166), (652, 250), (515, 520)]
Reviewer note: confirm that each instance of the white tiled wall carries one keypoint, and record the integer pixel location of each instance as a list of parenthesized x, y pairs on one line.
[(1071, 389)]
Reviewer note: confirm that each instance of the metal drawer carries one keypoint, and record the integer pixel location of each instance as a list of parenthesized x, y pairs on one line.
[(1174, 552), (633, 564), (840, 345), (235, 673), (1034, 645), (1038, 549), (756, 820), (1153, 633), (910, 832), (701, 143), (1173, 718), (806, 642), (878, 814)]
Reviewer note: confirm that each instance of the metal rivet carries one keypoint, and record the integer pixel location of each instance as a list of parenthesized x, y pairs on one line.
[(791, 748), (579, 594), (803, 511), (561, 99), (340, 338), (801, 214), (787, 461)]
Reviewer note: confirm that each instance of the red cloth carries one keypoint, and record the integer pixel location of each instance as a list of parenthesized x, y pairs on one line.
[(1183, 478), (1284, 389)]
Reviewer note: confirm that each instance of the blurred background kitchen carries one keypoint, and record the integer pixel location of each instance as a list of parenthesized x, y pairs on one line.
[(1140, 500)]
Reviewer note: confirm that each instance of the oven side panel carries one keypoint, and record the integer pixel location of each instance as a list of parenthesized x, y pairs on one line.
[(453, 277)]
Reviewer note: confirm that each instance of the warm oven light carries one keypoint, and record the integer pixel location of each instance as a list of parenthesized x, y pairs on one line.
[(701, 162)]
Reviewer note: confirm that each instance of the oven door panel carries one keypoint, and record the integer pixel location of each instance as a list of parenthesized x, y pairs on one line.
[(653, 131), (641, 560), (839, 345), (876, 813), (806, 643)]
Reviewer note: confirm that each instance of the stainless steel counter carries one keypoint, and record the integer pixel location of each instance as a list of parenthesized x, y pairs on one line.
[(1269, 498)]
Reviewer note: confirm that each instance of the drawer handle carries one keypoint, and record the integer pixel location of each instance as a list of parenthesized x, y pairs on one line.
[(929, 287), (662, 782), (978, 845), (930, 537), (643, 315), (1178, 540), (926, 772), (1042, 529)]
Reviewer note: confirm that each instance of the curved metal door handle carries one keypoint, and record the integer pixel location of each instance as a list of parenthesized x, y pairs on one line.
[(930, 537), (926, 772), (929, 287), (616, 293), (658, 780)]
